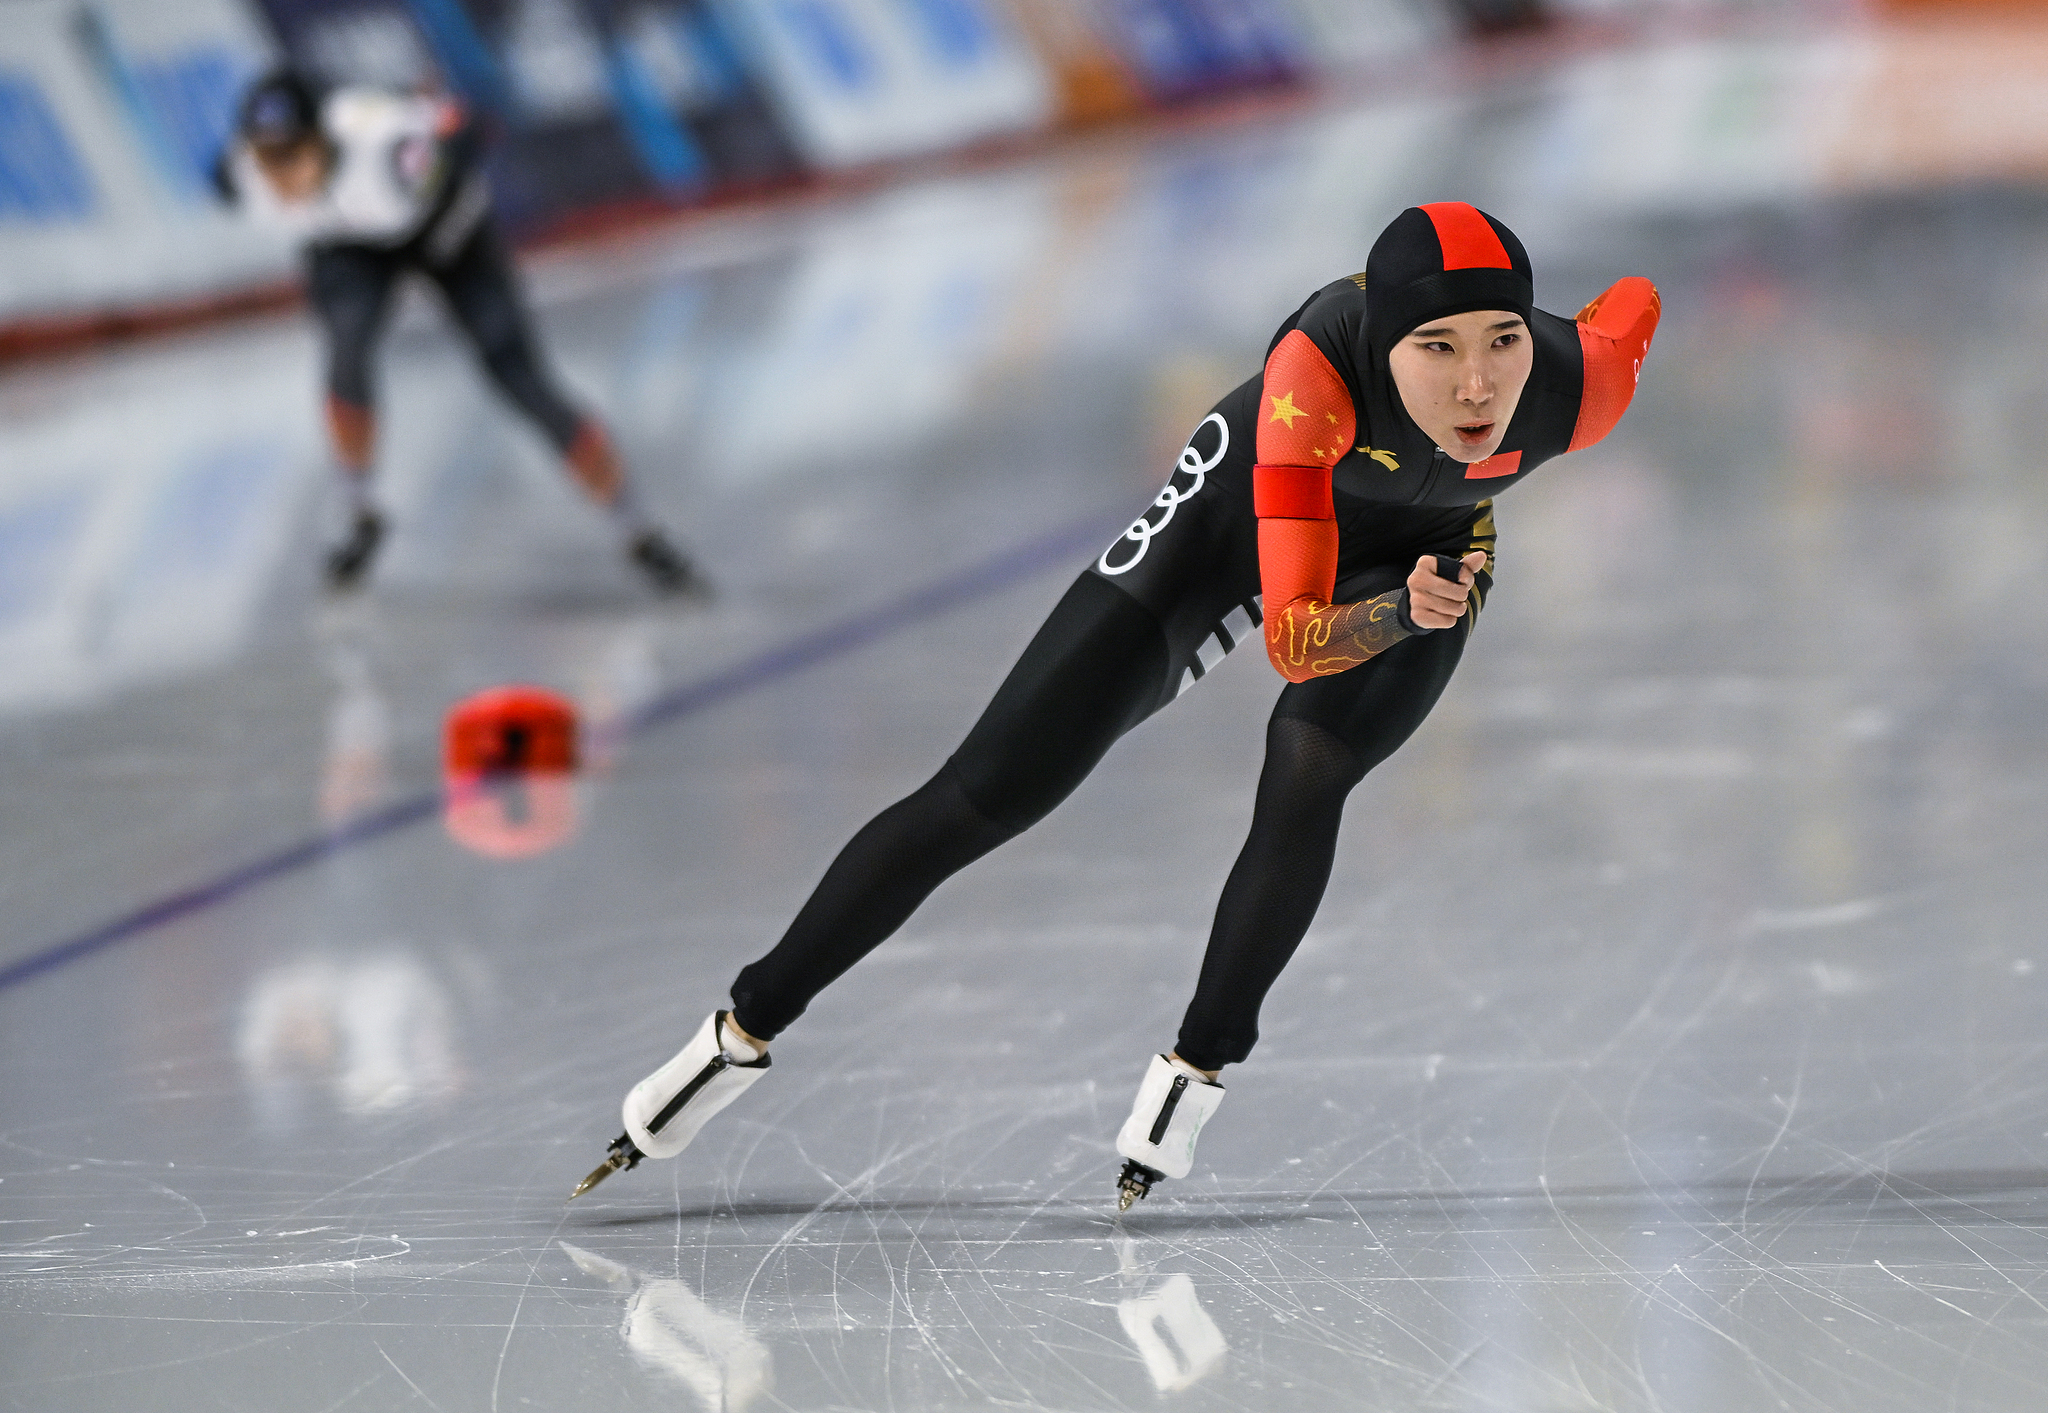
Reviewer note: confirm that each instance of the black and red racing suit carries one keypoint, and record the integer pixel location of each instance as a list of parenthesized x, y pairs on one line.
[(1296, 512)]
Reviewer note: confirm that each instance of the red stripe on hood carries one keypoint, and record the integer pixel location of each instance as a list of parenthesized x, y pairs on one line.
[(1467, 238)]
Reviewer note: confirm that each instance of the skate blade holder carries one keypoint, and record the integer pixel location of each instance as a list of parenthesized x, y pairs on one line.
[(1134, 1183), (509, 757)]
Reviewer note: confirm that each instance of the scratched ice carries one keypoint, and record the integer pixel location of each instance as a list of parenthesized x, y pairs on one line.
[(1671, 1038)]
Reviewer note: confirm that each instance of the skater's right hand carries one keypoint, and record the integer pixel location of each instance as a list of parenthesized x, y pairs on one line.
[(1436, 602)]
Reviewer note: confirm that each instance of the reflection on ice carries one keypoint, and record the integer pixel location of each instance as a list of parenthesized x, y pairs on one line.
[(1175, 1336), (512, 817), (355, 771), (670, 1329), (1171, 1312), (618, 669), (376, 1032)]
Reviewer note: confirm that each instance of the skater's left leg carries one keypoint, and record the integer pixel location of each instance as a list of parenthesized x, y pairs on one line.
[(483, 292), (1324, 736)]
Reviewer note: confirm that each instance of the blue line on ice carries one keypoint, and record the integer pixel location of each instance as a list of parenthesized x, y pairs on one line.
[(930, 600)]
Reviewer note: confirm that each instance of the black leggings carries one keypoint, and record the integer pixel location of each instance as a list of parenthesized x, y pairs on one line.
[(351, 287), (1161, 606)]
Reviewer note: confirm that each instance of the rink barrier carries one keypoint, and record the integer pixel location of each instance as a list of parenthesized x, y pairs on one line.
[(934, 599), (108, 230), (48, 335), (1317, 65)]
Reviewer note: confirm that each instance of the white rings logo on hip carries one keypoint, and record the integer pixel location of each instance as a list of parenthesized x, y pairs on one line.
[(1170, 497)]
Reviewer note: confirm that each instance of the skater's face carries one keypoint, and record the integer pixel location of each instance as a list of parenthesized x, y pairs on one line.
[(295, 171), (1461, 376)]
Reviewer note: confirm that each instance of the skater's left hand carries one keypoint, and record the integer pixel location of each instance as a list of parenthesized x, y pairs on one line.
[(1437, 602)]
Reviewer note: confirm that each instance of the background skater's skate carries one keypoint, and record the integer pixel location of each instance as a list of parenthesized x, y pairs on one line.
[(668, 568), (1158, 1139), (347, 560)]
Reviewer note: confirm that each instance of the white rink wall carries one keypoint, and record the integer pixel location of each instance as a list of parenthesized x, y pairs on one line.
[(106, 115)]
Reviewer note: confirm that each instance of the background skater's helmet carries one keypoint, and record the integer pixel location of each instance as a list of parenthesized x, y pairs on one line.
[(280, 110)]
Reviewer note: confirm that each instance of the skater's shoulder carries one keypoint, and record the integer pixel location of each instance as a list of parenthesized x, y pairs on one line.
[(1336, 317), (358, 112), (1557, 348), (1341, 299), (1333, 318)]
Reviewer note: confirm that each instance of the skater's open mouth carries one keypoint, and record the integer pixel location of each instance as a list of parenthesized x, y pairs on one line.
[(1475, 433)]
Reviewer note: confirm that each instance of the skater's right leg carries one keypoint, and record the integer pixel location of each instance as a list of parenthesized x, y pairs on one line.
[(1162, 605), (484, 295), (350, 289), (1172, 595), (1092, 672)]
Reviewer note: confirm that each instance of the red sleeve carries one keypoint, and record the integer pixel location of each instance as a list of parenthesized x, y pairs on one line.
[(1614, 333), (1306, 424)]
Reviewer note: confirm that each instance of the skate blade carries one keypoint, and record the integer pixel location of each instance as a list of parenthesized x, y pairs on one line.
[(597, 1175), (625, 1155)]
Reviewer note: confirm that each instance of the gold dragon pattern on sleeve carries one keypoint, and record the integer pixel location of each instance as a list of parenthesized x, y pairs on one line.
[(1310, 639)]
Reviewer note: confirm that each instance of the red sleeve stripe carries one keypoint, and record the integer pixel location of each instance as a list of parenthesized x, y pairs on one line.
[(1292, 493), (1468, 240)]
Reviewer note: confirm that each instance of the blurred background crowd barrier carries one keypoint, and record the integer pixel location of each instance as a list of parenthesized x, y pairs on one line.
[(112, 111)]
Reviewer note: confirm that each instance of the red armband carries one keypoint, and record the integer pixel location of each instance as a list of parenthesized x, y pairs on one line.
[(1292, 493)]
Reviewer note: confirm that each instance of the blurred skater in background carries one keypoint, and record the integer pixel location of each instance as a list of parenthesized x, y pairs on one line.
[(1343, 499), (377, 184)]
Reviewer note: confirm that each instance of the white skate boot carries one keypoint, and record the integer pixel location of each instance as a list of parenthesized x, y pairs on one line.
[(664, 1111), (1158, 1139)]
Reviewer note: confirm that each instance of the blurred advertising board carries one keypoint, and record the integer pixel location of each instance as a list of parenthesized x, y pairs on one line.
[(1091, 79), (589, 101), (867, 80), (177, 73), (1347, 32), (109, 116), (1187, 48)]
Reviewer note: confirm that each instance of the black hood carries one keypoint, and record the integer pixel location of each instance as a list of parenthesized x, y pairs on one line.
[(1437, 260)]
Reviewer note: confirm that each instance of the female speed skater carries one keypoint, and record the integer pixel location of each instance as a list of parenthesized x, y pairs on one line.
[(376, 184), (1342, 499)]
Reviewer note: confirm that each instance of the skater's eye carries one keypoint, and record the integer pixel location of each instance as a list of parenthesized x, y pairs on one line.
[(1507, 340)]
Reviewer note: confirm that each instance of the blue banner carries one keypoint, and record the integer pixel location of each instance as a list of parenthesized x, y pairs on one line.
[(41, 177), (1182, 48), (586, 101)]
